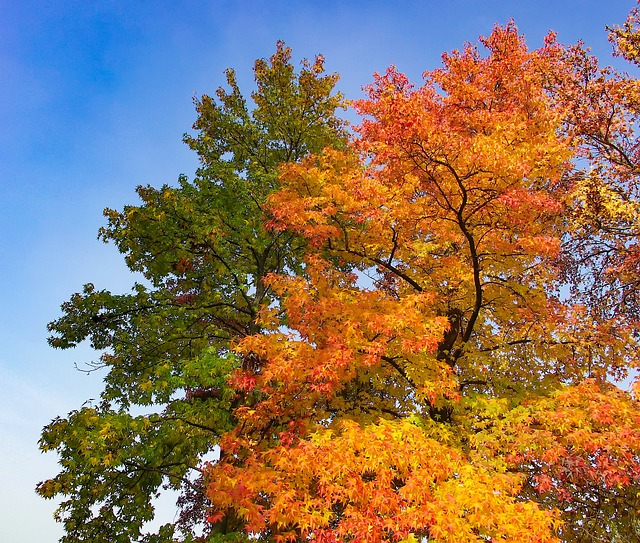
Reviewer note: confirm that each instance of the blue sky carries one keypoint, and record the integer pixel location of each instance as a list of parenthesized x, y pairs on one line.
[(94, 99)]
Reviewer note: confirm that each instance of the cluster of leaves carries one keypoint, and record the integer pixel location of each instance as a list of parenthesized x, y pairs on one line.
[(404, 335), (381, 481)]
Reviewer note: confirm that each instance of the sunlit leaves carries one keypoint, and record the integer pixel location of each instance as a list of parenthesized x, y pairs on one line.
[(384, 482)]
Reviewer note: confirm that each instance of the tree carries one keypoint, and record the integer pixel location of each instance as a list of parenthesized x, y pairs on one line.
[(430, 376), (406, 336), (204, 255), (603, 108)]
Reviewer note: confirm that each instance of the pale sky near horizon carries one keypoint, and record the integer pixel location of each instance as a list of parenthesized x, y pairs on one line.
[(95, 97)]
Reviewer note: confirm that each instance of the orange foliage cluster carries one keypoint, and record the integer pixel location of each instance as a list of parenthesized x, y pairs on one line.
[(428, 376)]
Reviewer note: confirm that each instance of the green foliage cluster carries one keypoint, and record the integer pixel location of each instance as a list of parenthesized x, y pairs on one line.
[(204, 254)]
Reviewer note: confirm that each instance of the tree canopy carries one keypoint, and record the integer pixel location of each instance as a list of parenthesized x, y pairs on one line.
[(408, 332)]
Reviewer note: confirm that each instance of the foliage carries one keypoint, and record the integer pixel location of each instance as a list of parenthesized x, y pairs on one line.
[(204, 255), (442, 382), (407, 336)]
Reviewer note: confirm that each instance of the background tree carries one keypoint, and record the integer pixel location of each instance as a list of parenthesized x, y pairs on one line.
[(601, 262), (461, 393), (204, 254)]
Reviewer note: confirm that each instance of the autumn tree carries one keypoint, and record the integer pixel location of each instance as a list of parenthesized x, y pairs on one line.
[(204, 253), (602, 109), (410, 335), (441, 371)]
